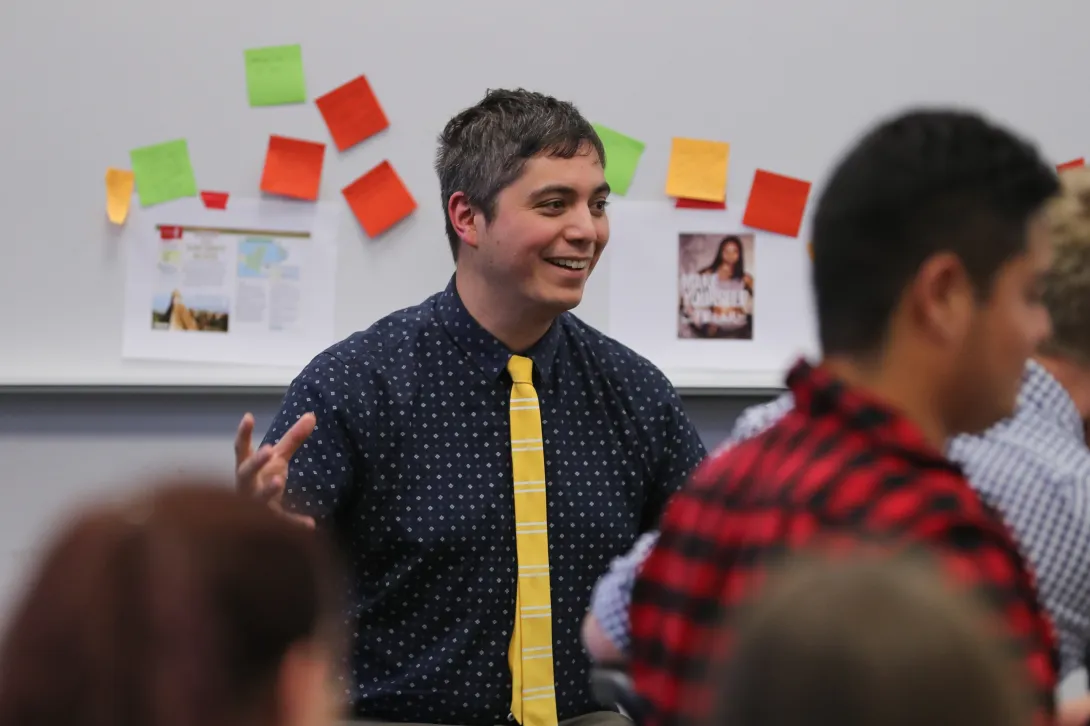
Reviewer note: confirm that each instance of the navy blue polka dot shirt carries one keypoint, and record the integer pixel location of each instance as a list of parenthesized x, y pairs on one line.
[(409, 468)]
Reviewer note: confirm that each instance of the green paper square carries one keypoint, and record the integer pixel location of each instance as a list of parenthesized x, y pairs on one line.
[(274, 75), (622, 156), (163, 172)]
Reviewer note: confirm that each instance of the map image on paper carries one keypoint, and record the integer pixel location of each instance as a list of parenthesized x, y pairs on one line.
[(262, 257)]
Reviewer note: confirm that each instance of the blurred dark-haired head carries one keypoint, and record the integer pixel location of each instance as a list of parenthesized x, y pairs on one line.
[(929, 243), (186, 606)]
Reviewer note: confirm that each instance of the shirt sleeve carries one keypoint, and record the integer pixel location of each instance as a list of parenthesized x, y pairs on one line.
[(613, 594), (325, 468), (1061, 564), (756, 419), (679, 452)]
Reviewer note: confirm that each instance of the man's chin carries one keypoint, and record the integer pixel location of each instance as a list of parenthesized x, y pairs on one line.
[(561, 301), (561, 297)]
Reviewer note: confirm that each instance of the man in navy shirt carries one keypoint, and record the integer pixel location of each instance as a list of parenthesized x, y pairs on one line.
[(397, 439)]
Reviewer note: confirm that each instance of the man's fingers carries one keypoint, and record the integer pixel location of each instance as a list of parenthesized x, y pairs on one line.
[(296, 435), (248, 469), (242, 439), (271, 489), (300, 519)]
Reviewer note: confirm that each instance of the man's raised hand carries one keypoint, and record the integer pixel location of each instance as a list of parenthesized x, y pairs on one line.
[(264, 473)]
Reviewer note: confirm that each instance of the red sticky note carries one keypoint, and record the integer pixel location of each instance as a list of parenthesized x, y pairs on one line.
[(776, 203), (352, 113), (214, 200), (683, 203), (379, 199), (1073, 164), (170, 232), (293, 168)]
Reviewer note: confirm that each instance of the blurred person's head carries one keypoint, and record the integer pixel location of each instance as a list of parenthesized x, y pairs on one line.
[(929, 247), (1066, 289), (187, 606), (869, 641)]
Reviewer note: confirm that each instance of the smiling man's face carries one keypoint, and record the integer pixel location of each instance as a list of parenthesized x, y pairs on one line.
[(548, 230)]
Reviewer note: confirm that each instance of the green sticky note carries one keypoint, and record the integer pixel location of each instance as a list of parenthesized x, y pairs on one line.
[(622, 155), (274, 75), (163, 172)]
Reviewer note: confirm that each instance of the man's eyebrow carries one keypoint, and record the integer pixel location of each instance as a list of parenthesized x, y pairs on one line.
[(568, 191), (563, 189)]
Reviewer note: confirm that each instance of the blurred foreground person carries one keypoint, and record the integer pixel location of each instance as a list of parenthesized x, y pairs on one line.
[(869, 642), (185, 606)]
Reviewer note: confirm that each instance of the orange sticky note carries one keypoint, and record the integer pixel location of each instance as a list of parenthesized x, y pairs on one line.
[(379, 199), (1073, 164), (776, 203), (698, 170), (352, 113), (698, 204), (293, 168), (119, 186)]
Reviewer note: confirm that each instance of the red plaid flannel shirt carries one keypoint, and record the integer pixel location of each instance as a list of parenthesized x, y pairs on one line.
[(840, 466)]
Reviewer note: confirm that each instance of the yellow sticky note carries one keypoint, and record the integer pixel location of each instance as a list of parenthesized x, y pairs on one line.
[(119, 184), (698, 170)]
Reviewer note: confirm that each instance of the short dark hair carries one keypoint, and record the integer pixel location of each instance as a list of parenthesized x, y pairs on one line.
[(483, 149), (920, 183)]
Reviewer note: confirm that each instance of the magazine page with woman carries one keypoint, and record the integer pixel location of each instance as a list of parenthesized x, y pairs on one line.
[(715, 290)]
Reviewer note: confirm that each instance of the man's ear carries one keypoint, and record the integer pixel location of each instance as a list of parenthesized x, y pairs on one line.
[(465, 218), (943, 298)]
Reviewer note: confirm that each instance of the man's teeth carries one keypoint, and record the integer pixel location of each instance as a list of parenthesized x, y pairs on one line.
[(570, 264)]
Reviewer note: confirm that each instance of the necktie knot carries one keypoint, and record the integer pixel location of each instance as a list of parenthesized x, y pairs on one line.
[(521, 369)]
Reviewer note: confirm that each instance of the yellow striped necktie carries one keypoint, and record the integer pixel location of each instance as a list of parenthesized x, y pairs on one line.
[(533, 697)]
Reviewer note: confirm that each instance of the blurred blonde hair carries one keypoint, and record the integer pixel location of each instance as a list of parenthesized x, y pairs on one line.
[(1067, 284), (870, 640)]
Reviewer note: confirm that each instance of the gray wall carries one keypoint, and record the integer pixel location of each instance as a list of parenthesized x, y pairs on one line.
[(57, 449)]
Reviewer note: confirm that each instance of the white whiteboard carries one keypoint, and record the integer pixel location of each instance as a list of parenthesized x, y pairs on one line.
[(788, 84)]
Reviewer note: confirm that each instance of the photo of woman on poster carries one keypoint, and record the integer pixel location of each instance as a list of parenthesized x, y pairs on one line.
[(715, 291)]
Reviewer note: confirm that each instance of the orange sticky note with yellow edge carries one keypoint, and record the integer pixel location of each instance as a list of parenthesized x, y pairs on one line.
[(698, 170), (352, 113), (379, 199), (119, 187), (293, 168), (776, 203)]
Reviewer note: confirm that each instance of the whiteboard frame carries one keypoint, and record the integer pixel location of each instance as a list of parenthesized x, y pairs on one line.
[(275, 381)]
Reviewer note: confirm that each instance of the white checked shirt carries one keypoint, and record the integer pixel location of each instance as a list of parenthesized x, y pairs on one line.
[(1033, 468)]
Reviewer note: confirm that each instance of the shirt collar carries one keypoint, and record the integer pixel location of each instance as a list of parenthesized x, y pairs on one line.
[(484, 348), (818, 393), (1042, 394)]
